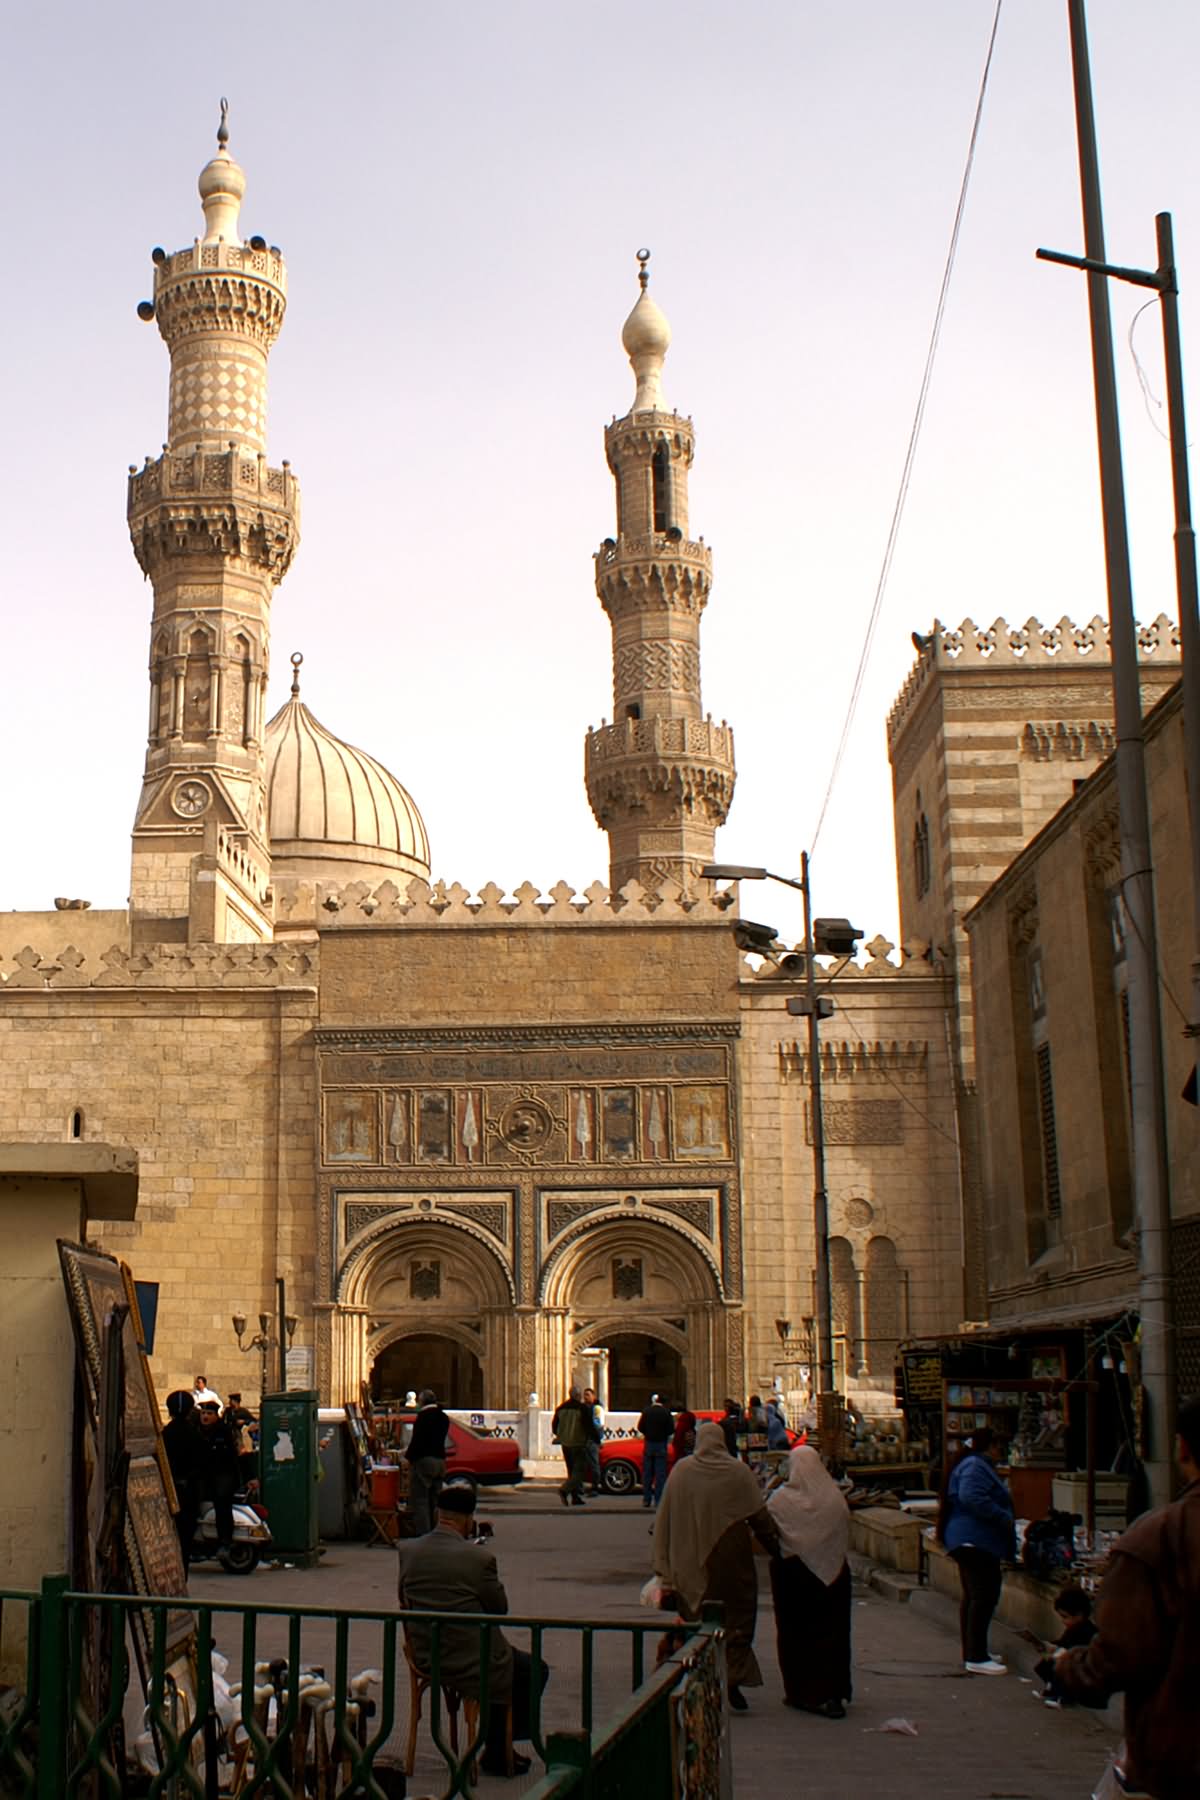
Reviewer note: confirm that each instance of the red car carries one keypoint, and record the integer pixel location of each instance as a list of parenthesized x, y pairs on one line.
[(621, 1459), (487, 1461)]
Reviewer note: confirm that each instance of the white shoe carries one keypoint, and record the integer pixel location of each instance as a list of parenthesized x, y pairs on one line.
[(991, 1667)]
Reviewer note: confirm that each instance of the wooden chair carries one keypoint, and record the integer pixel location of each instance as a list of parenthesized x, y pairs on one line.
[(419, 1685)]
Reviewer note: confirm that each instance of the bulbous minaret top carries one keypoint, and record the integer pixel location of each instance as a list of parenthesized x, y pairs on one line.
[(660, 778), (646, 336), (222, 188)]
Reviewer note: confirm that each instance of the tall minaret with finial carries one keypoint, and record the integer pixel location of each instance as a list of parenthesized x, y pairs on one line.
[(660, 777), (214, 529)]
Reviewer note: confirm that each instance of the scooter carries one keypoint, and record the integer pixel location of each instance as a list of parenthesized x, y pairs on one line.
[(251, 1538)]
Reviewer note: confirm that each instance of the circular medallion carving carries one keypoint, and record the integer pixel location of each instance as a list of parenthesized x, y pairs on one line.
[(859, 1213), (190, 799), (525, 1125)]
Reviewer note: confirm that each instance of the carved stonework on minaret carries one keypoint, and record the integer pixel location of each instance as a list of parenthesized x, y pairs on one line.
[(660, 778), (214, 528)]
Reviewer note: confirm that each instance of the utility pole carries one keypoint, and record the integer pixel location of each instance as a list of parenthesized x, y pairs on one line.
[(825, 1381), (1148, 1121)]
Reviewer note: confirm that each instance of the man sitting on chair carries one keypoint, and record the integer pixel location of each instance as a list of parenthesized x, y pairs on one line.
[(442, 1572)]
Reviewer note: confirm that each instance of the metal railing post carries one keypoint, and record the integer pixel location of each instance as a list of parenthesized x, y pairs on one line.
[(54, 1709)]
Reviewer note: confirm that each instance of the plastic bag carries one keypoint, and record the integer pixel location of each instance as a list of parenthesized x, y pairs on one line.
[(900, 1727), (652, 1594)]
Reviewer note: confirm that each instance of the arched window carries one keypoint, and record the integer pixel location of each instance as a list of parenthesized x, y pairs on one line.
[(884, 1314), (75, 1125), (661, 468), (843, 1284), (922, 863)]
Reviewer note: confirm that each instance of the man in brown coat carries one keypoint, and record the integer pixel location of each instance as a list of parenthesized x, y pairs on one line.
[(1147, 1643)]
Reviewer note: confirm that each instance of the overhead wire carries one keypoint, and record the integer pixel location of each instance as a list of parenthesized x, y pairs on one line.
[(913, 438)]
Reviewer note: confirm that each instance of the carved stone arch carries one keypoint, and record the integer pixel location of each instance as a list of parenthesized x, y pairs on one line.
[(618, 1231), (599, 1329), (404, 1234), (395, 1329)]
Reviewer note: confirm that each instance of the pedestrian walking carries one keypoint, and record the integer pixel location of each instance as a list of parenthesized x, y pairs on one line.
[(684, 1440), (733, 1424), (810, 1584), (1147, 1642), (202, 1392), (573, 1430), (777, 1427), (239, 1419), (975, 1524), (218, 1469), (425, 1455), (657, 1427), (185, 1458), (703, 1549), (592, 1447)]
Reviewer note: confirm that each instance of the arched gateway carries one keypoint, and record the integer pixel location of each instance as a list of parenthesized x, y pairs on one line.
[(428, 1299)]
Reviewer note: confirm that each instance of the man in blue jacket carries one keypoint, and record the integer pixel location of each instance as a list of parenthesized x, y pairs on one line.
[(976, 1526)]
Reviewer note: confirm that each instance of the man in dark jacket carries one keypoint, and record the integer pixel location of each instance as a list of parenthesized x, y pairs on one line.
[(1147, 1642), (426, 1458), (574, 1427), (219, 1469), (185, 1457), (657, 1428)]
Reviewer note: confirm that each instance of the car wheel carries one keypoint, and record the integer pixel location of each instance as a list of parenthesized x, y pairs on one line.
[(620, 1478), (240, 1559)]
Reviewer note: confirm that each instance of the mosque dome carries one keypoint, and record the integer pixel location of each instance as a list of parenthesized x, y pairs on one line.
[(646, 336), (334, 813)]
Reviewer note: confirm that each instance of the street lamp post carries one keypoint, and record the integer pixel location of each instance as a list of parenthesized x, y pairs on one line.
[(832, 937), (264, 1342)]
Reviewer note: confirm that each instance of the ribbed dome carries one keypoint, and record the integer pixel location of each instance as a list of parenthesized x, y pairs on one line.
[(334, 813)]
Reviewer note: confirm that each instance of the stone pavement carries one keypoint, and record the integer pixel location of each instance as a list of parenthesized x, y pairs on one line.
[(978, 1738)]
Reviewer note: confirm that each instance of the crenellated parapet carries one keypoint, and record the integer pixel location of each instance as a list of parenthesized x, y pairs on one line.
[(421, 903), (1032, 646), (163, 966)]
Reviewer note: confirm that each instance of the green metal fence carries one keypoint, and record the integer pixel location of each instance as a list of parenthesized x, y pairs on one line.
[(299, 1728)]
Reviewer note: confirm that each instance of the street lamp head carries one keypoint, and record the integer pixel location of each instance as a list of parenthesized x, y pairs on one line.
[(290, 1324), (749, 936), (264, 1323), (731, 872), (835, 937), (239, 1325)]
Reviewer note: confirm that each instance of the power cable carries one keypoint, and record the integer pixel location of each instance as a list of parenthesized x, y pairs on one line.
[(914, 435)]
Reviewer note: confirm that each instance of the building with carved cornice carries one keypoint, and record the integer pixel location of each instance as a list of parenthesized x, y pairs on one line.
[(487, 1135)]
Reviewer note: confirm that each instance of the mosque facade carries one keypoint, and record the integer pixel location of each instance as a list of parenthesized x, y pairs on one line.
[(492, 1139)]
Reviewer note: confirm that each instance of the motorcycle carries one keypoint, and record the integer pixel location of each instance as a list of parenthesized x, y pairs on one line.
[(251, 1538)]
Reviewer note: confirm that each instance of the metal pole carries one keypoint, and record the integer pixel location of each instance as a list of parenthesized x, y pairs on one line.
[(1148, 1124), (825, 1381), (281, 1331), (1185, 574)]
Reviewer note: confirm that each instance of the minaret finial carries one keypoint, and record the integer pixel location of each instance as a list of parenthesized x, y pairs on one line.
[(223, 127), (222, 187), (296, 659), (646, 337)]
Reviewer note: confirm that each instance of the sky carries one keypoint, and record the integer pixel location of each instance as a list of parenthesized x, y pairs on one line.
[(459, 190)]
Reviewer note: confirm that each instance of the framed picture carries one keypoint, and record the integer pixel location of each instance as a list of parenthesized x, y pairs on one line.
[(952, 1423), (958, 1395)]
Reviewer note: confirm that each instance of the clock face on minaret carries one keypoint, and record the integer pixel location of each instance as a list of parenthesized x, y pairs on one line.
[(214, 528)]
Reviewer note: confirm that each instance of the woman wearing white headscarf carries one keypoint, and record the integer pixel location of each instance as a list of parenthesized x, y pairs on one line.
[(703, 1551), (810, 1584)]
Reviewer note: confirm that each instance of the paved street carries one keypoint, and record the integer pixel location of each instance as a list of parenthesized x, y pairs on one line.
[(978, 1739)]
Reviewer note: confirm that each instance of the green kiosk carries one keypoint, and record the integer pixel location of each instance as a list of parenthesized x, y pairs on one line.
[(289, 1470)]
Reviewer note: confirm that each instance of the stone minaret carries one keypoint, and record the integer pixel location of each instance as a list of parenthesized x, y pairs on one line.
[(214, 528), (660, 777)]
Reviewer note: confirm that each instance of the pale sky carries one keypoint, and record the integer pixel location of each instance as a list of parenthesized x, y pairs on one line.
[(459, 190)]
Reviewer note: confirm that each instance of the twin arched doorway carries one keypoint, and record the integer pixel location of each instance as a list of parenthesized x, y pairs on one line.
[(424, 1302)]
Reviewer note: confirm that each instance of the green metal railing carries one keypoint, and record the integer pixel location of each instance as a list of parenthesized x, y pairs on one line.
[(319, 1734)]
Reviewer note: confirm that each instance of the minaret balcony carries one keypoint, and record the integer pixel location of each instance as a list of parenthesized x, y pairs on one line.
[(697, 739), (227, 503), (653, 546)]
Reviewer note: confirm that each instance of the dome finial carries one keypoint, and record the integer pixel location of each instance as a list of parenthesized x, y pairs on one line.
[(296, 660), (646, 337), (222, 186)]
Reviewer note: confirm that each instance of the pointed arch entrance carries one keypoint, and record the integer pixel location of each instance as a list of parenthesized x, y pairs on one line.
[(424, 1301), (651, 1295)]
